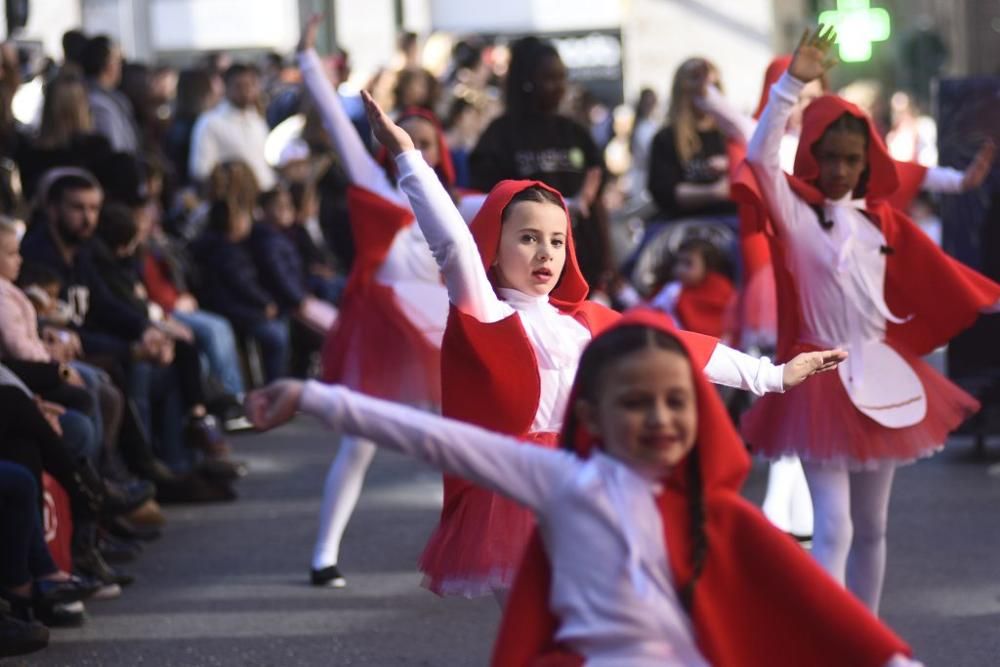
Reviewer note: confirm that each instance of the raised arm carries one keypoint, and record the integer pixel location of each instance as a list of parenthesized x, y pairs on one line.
[(738, 127), (517, 470), (764, 151), (361, 167), (444, 228)]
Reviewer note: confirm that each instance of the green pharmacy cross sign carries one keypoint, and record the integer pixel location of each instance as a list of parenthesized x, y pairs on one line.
[(858, 24)]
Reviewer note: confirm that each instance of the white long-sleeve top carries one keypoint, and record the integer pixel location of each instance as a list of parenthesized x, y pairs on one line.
[(740, 127), (227, 133), (556, 339), (409, 267), (840, 271), (617, 603), (612, 586)]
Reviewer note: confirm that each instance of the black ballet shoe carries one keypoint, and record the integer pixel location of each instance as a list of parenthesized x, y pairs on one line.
[(328, 577)]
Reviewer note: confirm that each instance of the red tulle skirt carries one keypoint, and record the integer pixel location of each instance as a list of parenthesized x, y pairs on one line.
[(817, 422), (478, 544), (376, 350)]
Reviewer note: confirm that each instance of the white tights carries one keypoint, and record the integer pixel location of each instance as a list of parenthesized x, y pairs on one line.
[(340, 496), (787, 503), (851, 511)]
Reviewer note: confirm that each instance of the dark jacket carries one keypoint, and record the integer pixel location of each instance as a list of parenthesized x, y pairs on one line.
[(279, 265), (229, 284), (105, 324)]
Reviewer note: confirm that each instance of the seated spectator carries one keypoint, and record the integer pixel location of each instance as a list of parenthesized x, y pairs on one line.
[(195, 96), (231, 284), (701, 296), (283, 275), (114, 256), (322, 275), (29, 578), (66, 137)]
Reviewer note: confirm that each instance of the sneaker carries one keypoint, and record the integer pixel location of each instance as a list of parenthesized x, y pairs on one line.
[(61, 614), (329, 577), (90, 563), (148, 514), (195, 488), (108, 592)]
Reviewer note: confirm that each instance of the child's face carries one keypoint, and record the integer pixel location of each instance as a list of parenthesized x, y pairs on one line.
[(842, 158), (690, 270), (532, 250), (424, 139), (280, 212), (10, 256), (647, 413)]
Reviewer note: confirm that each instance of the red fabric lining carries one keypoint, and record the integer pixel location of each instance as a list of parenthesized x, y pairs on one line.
[(704, 308)]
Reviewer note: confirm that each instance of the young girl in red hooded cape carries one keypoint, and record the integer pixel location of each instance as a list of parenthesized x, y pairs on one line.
[(646, 553), (787, 503), (701, 297), (517, 326), (852, 271), (387, 340)]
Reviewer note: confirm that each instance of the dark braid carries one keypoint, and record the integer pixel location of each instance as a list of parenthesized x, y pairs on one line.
[(699, 540)]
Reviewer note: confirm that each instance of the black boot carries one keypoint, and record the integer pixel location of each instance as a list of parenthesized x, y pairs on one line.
[(87, 560), (20, 638), (109, 498)]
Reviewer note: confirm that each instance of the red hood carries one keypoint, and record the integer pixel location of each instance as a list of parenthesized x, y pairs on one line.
[(819, 115), (572, 288)]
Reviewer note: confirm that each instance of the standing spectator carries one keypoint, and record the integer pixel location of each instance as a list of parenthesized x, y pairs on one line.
[(532, 140), (688, 162), (112, 112), (195, 96), (234, 130), (644, 128)]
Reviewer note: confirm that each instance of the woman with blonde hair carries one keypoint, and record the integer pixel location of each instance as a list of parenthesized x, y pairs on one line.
[(688, 163), (66, 137)]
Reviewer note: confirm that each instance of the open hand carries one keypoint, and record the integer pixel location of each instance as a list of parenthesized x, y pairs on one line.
[(274, 404), (392, 136), (976, 172), (805, 365), (812, 57), (307, 41)]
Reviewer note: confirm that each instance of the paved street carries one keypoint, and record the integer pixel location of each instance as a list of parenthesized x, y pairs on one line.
[(227, 583)]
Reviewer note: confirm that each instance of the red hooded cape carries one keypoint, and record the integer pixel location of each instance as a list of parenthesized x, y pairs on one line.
[(755, 249), (940, 295), (760, 601), (706, 308), (409, 362)]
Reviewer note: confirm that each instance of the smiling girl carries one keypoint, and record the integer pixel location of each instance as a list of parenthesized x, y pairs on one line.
[(650, 555), (518, 324)]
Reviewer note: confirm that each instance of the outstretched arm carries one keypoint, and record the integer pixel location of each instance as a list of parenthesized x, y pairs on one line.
[(361, 167), (525, 473), (948, 180), (447, 234), (733, 368)]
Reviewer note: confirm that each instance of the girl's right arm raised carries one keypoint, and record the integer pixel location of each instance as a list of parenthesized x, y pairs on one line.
[(524, 473), (444, 228), (361, 167), (763, 152)]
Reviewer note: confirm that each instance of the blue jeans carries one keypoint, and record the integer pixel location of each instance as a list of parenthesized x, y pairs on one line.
[(272, 336), (23, 553), (79, 436), (149, 385), (214, 338), (92, 378)]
